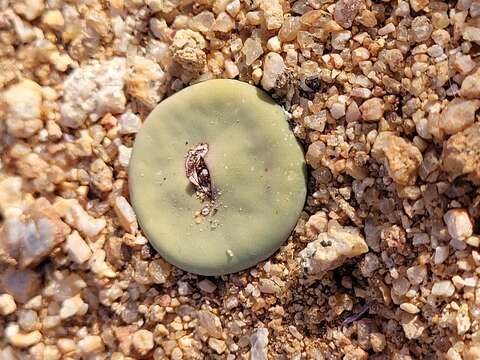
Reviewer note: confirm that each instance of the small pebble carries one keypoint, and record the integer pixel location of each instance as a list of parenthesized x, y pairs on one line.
[(143, 341), (207, 286), (459, 224), (443, 288), (7, 304)]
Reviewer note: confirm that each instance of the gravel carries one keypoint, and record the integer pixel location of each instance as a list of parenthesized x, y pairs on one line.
[(383, 95)]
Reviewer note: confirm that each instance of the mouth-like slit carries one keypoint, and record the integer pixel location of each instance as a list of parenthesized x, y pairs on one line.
[(197, 172)]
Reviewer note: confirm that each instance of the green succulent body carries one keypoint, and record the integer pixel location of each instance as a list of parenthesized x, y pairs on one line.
[(256, 167)]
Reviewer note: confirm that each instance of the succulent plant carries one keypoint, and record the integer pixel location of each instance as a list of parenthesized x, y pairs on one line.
[(216, 178)]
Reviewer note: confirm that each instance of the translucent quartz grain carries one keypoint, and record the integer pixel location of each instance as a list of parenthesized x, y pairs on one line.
[(255, 164)]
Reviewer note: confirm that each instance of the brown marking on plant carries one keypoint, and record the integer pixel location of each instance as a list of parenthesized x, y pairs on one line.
[(197, 172)]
